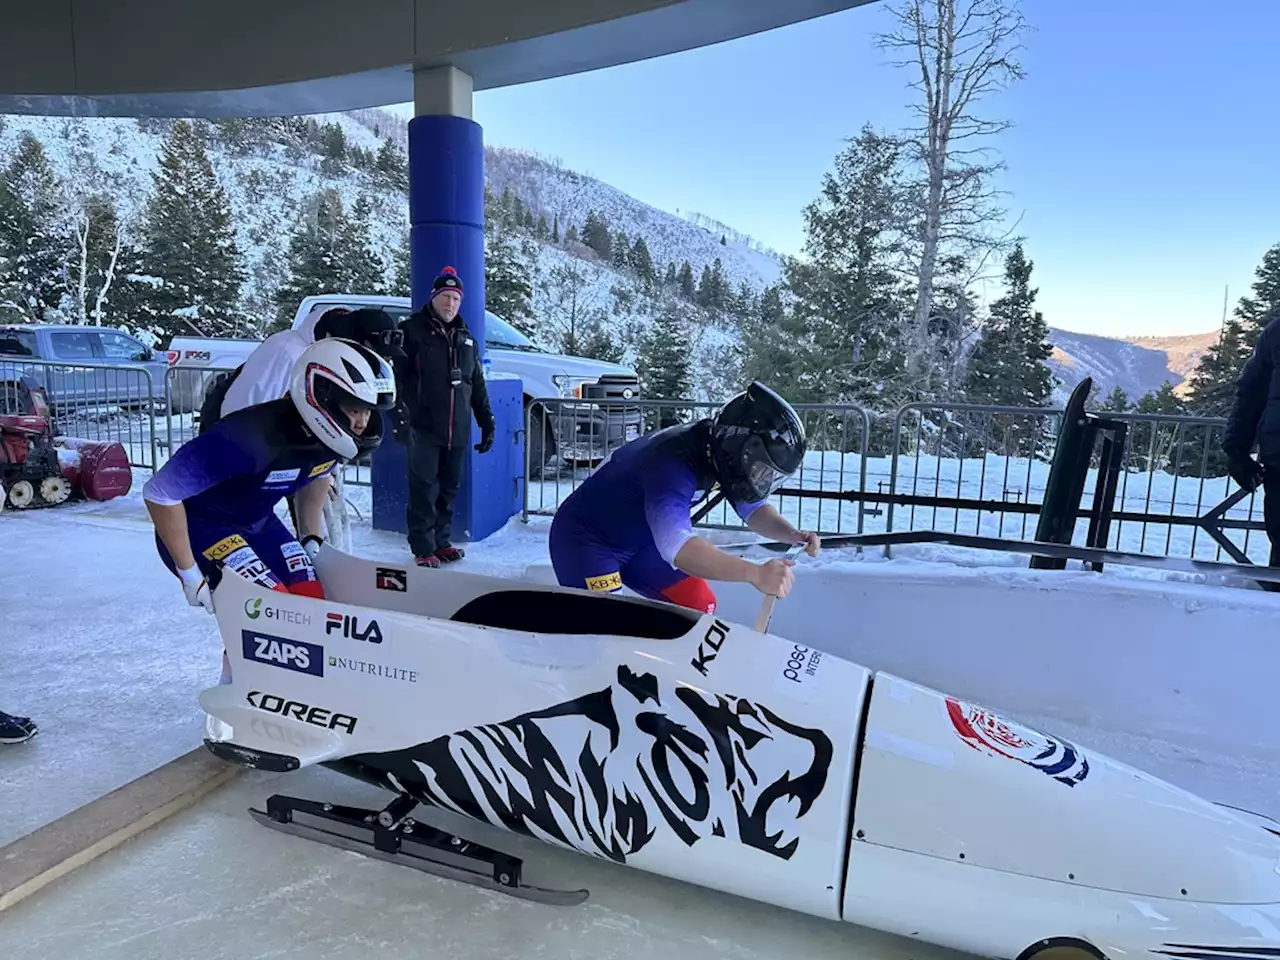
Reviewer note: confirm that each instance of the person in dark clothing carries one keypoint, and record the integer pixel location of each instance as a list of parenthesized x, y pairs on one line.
[(441, 384), (1255, 419)]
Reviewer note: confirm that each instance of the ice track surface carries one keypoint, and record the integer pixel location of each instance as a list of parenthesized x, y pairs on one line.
[(100, 648)]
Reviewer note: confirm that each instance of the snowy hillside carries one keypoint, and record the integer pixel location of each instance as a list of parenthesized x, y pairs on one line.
[(1136, 365), (554, 190)]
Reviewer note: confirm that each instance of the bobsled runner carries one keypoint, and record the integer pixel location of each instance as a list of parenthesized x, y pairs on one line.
[(708, 752)]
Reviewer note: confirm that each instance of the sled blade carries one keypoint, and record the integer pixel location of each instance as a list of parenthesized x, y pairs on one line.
[(408, 857)]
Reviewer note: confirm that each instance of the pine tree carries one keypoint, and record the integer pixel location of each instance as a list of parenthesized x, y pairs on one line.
[(401, 285), (836, 335), (1117, 401), (670, 279), (393, 165), (316, 256), (687, 288), (1214, 381), (188, 243), (555, 230), (664, 359), (641, 263), (621, 246), (595, 234), (1007, 365), (508, 287), (34, 234), (363, 270)]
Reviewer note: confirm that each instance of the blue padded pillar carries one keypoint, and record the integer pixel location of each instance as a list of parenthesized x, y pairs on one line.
[(446, 221)]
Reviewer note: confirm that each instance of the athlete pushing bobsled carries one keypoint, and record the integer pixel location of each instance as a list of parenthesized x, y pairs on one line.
[(628, 524), (213, 503), (264, 376)]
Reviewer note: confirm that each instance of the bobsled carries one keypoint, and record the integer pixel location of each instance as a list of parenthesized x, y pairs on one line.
[(706, 751)]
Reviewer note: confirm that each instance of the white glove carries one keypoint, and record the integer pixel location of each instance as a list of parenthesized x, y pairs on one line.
[(196, 587), (311, 543)]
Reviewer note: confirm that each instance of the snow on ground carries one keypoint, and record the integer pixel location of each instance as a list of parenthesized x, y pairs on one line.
[(1170, 674)]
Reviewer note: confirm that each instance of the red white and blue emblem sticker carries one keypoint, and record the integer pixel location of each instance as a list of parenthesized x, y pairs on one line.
[(996, 736)]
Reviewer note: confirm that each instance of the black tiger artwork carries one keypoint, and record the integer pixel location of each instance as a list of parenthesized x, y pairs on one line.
[(602, 773)]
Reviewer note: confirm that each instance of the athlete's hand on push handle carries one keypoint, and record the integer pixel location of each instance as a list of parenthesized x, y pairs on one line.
[(773, 577), (196, 587)]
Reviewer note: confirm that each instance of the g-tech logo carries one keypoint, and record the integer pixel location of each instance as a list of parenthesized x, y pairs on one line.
[(350, 627), (296, 655), (254, 608)]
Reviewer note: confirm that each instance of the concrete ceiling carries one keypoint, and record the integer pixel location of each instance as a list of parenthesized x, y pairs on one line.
[(213, 58)]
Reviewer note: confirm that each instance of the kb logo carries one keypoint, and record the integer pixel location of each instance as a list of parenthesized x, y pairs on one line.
[(350, 627)]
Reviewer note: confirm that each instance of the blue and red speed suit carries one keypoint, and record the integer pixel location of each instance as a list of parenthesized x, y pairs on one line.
[(230, 480), (625, 524)]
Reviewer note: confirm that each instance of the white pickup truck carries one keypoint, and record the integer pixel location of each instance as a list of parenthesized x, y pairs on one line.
[(575, 430)]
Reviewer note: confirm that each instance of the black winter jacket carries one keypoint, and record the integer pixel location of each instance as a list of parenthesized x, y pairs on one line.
[(1255, 415), (440, 380)]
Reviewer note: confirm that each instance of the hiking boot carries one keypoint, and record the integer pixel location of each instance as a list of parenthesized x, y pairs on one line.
[(449, 554), (426, 561)]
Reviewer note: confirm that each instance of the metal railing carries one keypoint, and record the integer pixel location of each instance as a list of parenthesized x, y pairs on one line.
[(961, 468), (981, 469), (567, 439), (93, 401)]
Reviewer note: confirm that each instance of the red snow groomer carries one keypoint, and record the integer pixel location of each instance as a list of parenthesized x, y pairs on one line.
[(38, 469)]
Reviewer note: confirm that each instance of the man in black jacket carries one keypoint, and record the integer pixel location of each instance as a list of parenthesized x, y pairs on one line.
[(1255, 417), (441, 383)]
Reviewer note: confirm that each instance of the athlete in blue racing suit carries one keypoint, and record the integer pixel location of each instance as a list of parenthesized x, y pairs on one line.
[(629, 522), (213, 503)]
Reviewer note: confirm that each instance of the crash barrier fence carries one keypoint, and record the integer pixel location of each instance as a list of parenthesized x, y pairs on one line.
[(93, 401), (975, 469), (969, 469)]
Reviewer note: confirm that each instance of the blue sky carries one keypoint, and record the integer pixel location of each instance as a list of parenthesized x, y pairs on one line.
[(1142, 160)]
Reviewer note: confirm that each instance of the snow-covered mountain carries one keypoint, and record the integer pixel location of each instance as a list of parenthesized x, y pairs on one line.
[(1135, 364), (270, 177)]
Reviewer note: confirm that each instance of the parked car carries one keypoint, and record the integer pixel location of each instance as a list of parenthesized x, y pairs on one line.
[(83, 366), (577, 431)]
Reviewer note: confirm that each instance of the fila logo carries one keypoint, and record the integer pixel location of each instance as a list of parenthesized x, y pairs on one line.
[(296, 655), (350, 627)]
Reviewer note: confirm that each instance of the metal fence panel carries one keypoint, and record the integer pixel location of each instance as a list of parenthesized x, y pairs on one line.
[(566, 440), (96, 401), (1173, 472)]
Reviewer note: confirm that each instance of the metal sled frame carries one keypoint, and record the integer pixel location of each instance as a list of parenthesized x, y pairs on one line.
[(392, 835)]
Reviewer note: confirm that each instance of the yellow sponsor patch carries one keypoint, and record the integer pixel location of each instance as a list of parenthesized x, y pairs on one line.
[(321, 468), (610, 581), (225, 546)]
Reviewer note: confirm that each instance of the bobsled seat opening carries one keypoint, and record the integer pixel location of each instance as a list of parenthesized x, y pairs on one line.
[(577, 612)]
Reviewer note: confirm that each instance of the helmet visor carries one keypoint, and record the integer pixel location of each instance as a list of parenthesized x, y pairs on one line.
[(761, 474)]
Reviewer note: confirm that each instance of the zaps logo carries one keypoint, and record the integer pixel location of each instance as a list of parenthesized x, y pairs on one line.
[(998, 737), (296, 655), (350, 627)]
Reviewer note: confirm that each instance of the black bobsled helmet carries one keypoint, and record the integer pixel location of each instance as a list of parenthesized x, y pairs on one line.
[(757, 442), (376, 330)]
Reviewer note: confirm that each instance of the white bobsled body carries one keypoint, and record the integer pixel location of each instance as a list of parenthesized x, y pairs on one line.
[(704, 751)]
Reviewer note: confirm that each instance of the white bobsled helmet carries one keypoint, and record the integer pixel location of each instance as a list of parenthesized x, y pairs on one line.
[(332, 373)]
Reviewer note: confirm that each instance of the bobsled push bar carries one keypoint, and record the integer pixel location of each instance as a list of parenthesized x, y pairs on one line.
[(766, 608), (392, 835)]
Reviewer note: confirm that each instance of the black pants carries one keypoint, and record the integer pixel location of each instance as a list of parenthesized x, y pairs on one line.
[(434, 474), (1271, 516)]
